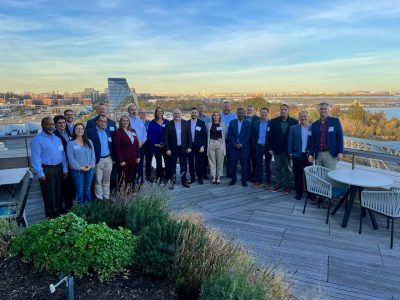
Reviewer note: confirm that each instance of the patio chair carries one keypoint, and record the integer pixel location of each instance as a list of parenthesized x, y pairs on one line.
[(16, 209), (318, 184), (386, 203)]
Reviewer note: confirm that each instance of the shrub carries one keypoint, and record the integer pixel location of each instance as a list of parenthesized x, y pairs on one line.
[(101, 211), (69, 246), (8, 230)]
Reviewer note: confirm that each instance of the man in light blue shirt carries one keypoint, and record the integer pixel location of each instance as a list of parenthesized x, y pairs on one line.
[(226, 117), (202, 116), (50, 163)]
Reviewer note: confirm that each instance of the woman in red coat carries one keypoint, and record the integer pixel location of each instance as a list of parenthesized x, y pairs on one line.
[(126, 149)]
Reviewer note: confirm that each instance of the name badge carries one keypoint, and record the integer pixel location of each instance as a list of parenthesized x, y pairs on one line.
[(77, 147), (162, 125), (109, 139), (268, 128), (112, 128), (60, 147), (331, 129), (310, 133), (219, 128), (134, 134), (198, 128)]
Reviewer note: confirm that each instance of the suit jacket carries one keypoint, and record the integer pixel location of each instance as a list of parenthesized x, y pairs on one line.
[(277, 142), (255, 133), (243, 138), (334, 136), (64, 142), (224, 133), (94, 136), (200, 135), (295, 141), (111, 126), (69, 132), (124, 150), (170, 139)]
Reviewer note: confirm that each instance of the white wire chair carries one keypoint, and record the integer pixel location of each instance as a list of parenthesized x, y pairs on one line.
[(318, 183), (386, 203)]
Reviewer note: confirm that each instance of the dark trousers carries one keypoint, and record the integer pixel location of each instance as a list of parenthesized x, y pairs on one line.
[(52, 190), (196, 164), (298, 171), (69, 193), (236, 156), (161, 172), (228, 159), (252, 164), (148, 155), (182, 156), (139, 167), (260, 151)]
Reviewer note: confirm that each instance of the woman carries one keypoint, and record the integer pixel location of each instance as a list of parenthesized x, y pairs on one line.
[(82, 160), (155, 136), (216, 133), (126, 148)]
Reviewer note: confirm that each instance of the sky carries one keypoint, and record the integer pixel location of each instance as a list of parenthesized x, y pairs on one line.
[(170, 46)]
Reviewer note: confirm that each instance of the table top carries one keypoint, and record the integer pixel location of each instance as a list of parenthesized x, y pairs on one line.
[(360, 178), (12, 176)]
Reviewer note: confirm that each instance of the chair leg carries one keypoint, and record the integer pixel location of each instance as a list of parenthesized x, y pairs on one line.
[(305, 204), (387, 222), (391, 237), (361, 219), (319, 201), (329, 209)]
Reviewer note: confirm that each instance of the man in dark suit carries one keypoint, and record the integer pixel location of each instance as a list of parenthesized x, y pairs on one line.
[(199, 142), (327, 139), (102, 139), (252, 160), (178, 144), (299, 149), (68, 186), (259, 137), (101, 110), (277, 146), (69, 119), (239, 142)]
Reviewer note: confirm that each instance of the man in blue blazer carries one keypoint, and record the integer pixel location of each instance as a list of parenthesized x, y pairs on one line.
[(327, 139), (101, 110), (239, 132), (298, 150)]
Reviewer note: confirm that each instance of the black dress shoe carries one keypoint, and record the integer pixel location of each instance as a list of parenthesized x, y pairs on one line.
[(244, 183), (200, 181), (191, 181), (206, 177), (186, 184), (232, 182)]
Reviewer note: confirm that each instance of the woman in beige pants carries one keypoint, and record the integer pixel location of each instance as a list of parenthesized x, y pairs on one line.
[(216, 132)]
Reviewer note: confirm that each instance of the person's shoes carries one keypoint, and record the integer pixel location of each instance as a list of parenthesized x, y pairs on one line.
[(244, 183), (287, 191), (191, 181), (276, 188), (218, 180), (298, 197), (214, 180), (267, 186), (257, 184), (232, 182), (186, 184), (200, 181)]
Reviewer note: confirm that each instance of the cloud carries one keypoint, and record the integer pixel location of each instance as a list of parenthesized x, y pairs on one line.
[(23, 3), (11, 24)]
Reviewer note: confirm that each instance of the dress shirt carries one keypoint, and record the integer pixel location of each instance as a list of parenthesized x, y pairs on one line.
[(304, 138), (103, 137), (138, 125), (239, 126), (263, 132), (80, 155), (193, 127), (178, 128), (249, 118), (70, 127), (227, 118), (47, 150), (206, 119)]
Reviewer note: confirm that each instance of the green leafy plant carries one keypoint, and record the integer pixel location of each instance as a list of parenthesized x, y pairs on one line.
[(68, 245), (8, 230)]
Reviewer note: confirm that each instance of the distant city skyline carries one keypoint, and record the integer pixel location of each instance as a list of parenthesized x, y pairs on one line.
[(189, 46)]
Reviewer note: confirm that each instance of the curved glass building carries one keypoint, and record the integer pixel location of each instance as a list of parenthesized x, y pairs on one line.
[(119, 94)]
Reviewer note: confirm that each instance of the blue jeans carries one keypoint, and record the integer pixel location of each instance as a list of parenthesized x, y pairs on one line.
[(260, 152), (82, 181)]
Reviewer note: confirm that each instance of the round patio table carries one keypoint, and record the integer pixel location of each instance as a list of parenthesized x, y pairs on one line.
[(357, 179)]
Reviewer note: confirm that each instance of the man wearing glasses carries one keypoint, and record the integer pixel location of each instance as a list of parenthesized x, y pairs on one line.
[(69, 118)]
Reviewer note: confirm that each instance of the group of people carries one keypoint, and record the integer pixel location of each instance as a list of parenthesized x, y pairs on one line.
[(72, 160)]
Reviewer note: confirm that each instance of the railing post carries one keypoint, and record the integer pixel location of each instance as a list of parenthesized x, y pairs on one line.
[(27, 152)]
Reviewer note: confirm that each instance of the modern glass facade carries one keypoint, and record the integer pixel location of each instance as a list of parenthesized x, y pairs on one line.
[(119, 94)]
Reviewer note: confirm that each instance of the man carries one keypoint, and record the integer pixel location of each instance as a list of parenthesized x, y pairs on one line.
[(199, 142), (68, 185), (178, 143), (259, 137), (50, 163), (327, 139), (101, 110), (277, 146), (148, 153), (138, 125), (298, 150), (239, 142), (69, 118), (101, 139), (226, 117), (251, 161), (202, 115)]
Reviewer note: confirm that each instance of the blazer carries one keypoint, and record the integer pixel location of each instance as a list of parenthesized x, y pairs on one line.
[(111, 126), (124, 150), (243, 138), (255, 132), (200, 135), (224, 133), (170, 140), (295, 141), (334, 136), (94, 136), (277, 142), (64, 142)]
